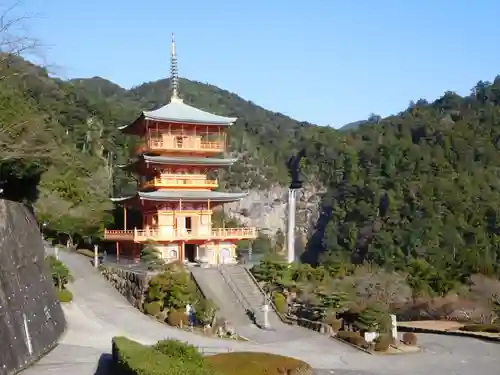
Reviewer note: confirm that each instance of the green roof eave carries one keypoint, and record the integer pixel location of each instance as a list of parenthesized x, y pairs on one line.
[(178, 111), (191, 196), (186, 196)]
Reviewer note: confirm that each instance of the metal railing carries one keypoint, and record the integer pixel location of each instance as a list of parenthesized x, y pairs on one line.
[(288, 319), (240, 296)]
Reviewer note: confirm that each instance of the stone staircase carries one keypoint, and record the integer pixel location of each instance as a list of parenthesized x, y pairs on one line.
[(240, 300), (215, 287)]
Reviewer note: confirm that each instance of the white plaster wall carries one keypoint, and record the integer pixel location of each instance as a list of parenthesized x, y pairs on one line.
[(169, 252)]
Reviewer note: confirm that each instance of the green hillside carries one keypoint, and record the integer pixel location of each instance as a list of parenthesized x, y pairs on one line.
[(418, 189)]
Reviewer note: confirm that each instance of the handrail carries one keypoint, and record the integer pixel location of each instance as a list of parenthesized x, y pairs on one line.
[(271, 302), (230, 282), (287, 319)]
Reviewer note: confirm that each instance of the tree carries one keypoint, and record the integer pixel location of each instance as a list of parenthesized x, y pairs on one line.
[(59, 272), (151, 256)]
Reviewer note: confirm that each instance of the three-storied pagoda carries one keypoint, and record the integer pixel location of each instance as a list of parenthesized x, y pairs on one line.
[(182, 144)]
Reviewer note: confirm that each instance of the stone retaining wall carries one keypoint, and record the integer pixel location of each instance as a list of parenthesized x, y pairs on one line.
[(129, 283), (31, 318)]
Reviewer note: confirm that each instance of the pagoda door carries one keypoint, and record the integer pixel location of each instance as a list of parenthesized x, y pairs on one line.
[(224, 256)]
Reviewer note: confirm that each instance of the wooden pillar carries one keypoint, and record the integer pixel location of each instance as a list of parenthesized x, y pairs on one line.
[(117, 251), (124, 217), (181, 258)]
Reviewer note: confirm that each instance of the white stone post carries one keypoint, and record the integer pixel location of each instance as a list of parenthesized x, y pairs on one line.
[(56, 252), (265, 309), (96, 256), (292, 197), (394, 327)]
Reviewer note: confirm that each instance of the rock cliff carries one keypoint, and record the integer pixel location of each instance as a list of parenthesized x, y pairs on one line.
[(31, 318), (268, 209)]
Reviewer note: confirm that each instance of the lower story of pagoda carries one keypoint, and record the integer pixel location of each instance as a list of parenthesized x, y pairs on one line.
[(218, 246)]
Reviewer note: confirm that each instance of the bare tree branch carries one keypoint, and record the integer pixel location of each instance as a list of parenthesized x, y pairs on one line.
[(15, 40)]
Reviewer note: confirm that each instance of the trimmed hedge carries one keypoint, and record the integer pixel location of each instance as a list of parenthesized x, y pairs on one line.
[(489, 328), (409, 338), (280, 302), (247, 363), (152, 308), (179, 350), (177, 319), (64, 296), (132, 358), (172, 357), (353, 338), (383, 342)]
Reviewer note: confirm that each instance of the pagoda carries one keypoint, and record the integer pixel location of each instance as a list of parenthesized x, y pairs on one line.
[(181, 146)]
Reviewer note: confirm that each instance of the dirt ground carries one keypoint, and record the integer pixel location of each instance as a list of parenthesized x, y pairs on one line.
[(439, 325), (443, 325)]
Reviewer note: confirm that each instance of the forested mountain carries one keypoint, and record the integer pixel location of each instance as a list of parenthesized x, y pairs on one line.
[(419, 188)]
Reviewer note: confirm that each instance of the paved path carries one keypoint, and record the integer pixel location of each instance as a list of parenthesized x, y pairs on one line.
[(99, 312)]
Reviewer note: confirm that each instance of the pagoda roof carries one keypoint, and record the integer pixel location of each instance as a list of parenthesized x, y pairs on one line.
[(187, 160), (188, 196), (180, 112)]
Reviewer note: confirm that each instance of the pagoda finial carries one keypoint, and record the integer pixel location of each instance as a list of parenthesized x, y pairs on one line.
[(174, 75)]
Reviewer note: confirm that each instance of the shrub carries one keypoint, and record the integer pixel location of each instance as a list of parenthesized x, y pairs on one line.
[(152, 308), (353, 338), (132, 358), (280, 302), (409, 338), (179, 350), (64, 295), (59, 272), (177, 319), (383, 342), (490, 328), (244, 363)]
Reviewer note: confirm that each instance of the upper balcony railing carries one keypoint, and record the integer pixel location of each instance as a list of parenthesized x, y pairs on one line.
[(180, 181), (144, 235), (186, 143)]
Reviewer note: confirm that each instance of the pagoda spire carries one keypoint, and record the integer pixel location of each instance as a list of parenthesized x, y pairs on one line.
[(174, 75)]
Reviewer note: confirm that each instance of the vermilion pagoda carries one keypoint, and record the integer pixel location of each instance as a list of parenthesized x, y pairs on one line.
[(182, 144)]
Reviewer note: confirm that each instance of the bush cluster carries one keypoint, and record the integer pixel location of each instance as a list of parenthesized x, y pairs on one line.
[(490, 328), (383, 342), (409, 338), (246, 363), (171, 357), (280, 302), (177, 319)]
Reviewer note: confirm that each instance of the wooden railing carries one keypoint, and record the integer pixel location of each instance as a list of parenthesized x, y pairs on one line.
[(184, 182), (189, 144), (142, 235), (118, 234)]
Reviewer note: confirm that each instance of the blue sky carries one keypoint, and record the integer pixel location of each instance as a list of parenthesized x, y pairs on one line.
[(329, 62)]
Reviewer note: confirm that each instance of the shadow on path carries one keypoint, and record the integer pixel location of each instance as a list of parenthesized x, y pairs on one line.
[(104, 364)]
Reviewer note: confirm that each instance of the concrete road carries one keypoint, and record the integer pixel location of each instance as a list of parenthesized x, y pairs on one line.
[(99, 312)]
